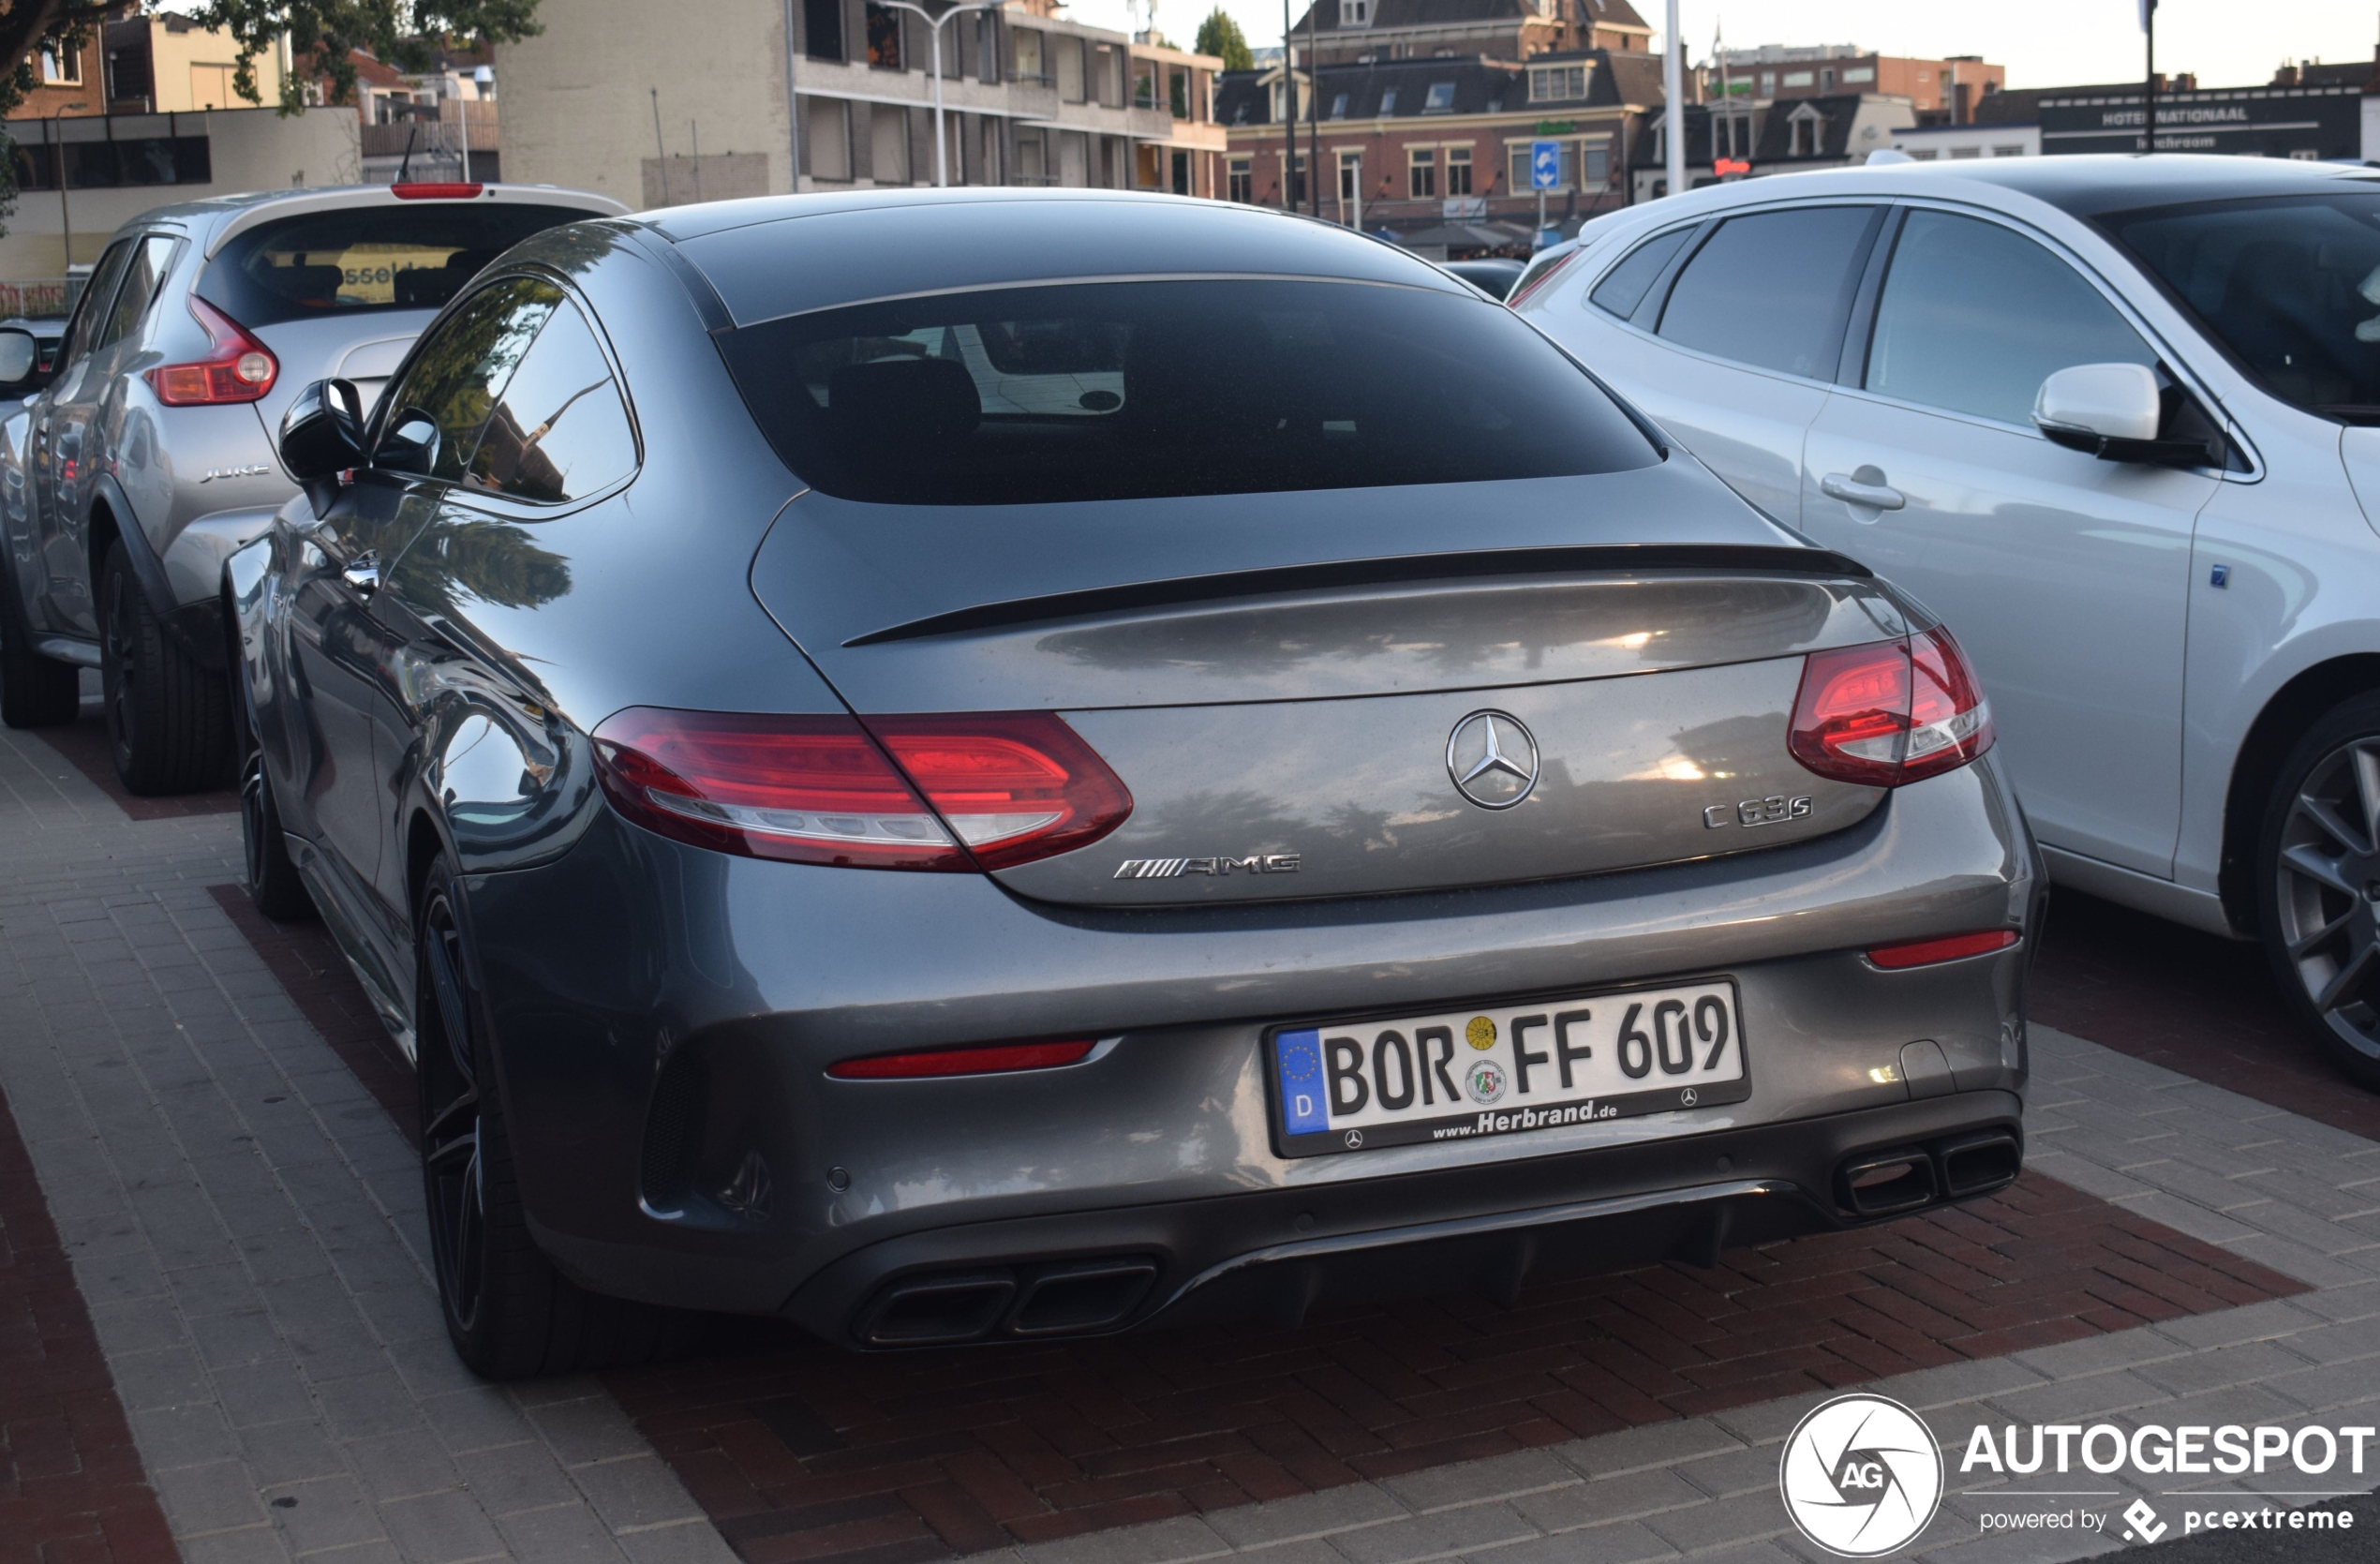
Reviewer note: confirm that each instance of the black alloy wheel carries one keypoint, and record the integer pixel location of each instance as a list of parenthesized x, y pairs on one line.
[(169, 722), (509, 1312), (2319, 869), (272, 879)]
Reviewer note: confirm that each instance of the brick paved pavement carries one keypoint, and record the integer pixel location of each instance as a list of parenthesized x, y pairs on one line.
[(240, 1217)]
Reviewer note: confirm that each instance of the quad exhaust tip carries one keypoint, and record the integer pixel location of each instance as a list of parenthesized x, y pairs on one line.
[(1064, 1298), (1903, 1179)]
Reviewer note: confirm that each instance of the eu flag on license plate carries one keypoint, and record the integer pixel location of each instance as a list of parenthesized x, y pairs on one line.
[(1300, 1060)]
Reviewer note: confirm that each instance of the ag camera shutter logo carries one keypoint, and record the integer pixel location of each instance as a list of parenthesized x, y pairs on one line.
[(1861, 1476)]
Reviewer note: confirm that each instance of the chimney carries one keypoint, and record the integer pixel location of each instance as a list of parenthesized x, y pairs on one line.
[(2285, 77)]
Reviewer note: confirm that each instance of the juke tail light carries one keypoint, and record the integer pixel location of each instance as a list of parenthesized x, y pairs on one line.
[(1890, 713), (959, 792), (237, 367)]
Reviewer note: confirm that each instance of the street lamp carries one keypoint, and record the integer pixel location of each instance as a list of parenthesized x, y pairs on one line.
[(942, 142), (66, 218)]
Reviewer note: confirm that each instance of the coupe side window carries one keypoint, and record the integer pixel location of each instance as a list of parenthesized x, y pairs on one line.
[(1773, 289), (559, 430), (434, 414), (1975, 317), (90, 311), (146, 269), (1621, 291)]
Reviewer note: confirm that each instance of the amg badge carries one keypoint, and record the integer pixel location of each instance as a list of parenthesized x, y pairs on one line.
[(1170, 869)]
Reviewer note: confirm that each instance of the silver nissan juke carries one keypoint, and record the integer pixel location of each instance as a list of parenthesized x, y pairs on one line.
[(991, 764)]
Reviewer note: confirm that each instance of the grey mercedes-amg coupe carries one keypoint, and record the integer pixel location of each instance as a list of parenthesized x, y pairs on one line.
[(958, 766)]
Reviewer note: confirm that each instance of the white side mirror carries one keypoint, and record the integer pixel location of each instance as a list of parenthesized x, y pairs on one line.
[(2091, 402)]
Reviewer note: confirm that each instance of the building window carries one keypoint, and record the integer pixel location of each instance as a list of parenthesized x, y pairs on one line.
[(1798, 78), (1966, 152), (1350, 178), (1355, 13), (883, 37), (1803, 129), (830, 145), (1028, 56), (1768, 84), (1296, 180), (1242, 180), (1339, 107), (823, 29), (1388, 103), (1922, 154), (1596, 170), (1441, 99), (1144, 86), (1826, 79), (2016, 151), (1421, 174), (1178, 92), (59, 70), (1458, 170), (1859, 73), (1557, 83)]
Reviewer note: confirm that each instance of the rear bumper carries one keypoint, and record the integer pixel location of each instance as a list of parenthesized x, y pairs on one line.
[(664, 1016)]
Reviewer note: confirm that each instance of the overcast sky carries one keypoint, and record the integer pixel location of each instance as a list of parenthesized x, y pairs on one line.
[(2044, 43)]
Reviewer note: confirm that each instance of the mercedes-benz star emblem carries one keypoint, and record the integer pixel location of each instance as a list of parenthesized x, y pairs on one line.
[(1492, 759)]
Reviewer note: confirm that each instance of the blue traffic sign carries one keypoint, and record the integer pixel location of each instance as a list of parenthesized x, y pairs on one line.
[(1545, 165)]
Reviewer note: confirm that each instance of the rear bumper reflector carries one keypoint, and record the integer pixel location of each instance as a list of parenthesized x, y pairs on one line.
[(1950, 947)]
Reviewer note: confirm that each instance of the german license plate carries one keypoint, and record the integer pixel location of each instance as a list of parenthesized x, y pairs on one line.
[(1511, 1070)]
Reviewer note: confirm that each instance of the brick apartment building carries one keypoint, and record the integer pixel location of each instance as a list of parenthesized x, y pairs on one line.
[(1431, 142), (1946, 91)]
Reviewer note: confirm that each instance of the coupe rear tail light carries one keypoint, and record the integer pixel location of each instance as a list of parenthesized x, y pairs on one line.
[(984, 791), (237, 367), (1950, 947), (994, 1060), (421, 190), (1890, 713)]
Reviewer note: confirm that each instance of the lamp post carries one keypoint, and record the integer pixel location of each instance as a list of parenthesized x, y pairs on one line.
[(66, 218), (942, 142)]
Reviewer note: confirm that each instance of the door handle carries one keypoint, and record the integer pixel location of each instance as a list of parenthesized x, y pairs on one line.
[(1850, 491), (363, 573)]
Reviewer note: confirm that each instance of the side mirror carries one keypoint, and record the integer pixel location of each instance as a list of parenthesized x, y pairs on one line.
[(20, 362), (2112, 411), (321, 437)]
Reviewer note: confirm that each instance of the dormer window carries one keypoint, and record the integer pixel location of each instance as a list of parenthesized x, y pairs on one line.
[(1388, 103), (1557, 83), (1355, 13), (1441, 99), (1805, 130), (1339, 107)]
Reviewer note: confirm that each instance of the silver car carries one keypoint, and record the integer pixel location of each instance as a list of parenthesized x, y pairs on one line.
[(144, 456), (1335, 804), (2119, 420)]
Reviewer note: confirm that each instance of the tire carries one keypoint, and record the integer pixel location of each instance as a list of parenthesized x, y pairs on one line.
[(2318, 884), (509, 1312), (169, 720), (34, 692)]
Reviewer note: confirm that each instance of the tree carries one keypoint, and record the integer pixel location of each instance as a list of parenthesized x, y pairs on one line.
[(404, 33), (1219, 34)]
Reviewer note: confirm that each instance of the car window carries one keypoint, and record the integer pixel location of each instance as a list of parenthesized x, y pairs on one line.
[(97, 298), (2292, 287), (413, 255), (141, 275), (1141, 389), (559, 430), (1974, 317), (1772, 289), (1624, 287), (461, 367)]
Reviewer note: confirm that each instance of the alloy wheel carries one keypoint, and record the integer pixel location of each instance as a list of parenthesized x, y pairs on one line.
[(117, 643), (2328, 892), (254, 821), (452, 1169)]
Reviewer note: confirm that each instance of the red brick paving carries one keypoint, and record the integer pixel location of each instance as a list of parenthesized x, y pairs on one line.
[(71, 1487), (2194, 1003), (801, 1452), (85, 745)]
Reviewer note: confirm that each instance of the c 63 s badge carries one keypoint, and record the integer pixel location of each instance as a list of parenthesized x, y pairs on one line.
[(1173, 868), (1774, 810)]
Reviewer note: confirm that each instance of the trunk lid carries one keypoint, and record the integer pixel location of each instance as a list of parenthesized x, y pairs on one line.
[(1292, 687)]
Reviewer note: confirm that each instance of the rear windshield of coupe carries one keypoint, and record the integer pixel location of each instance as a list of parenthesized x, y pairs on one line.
[(2290, 286), (1145, 390), (411, 256)]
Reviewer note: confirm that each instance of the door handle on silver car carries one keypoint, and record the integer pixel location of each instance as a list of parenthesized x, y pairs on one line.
[(1852, 491), (363, 573)]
